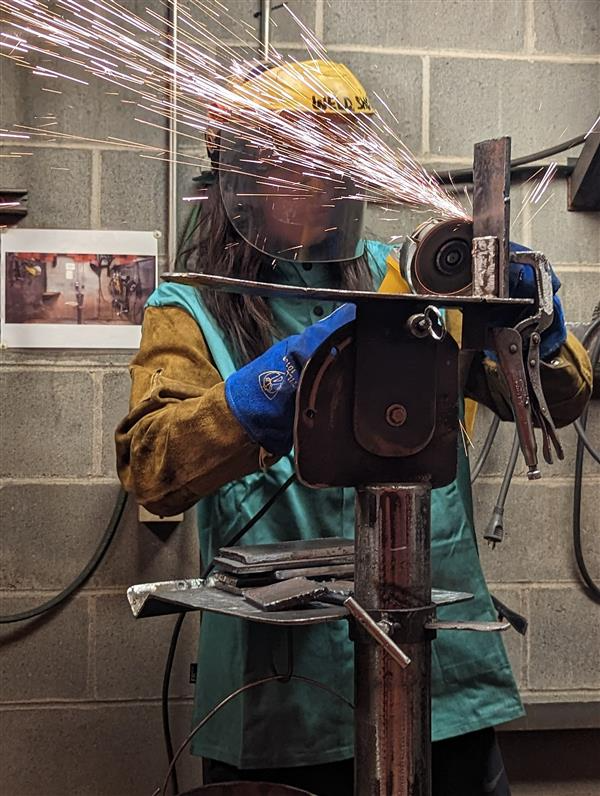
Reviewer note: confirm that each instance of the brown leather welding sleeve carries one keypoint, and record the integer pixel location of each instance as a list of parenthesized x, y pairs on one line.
[(180, 440), (566, 380)]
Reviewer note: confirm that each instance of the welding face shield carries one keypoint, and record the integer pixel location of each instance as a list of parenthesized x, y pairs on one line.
[(288, 209), (279, 165)]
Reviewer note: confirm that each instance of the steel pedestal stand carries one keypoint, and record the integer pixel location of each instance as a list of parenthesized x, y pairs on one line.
[(392, 716)]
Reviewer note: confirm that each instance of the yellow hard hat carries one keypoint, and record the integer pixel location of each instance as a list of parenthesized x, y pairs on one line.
[(315, 85)]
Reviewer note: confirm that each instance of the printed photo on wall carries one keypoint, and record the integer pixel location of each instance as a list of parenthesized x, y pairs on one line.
[(75, 288)]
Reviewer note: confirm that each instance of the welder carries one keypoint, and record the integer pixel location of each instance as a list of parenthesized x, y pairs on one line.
[(210, 424)]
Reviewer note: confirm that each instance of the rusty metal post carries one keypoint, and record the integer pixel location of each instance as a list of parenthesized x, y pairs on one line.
[(392, 571)]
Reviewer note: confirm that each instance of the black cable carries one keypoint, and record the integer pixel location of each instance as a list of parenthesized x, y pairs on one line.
[(586, 441), (593, 589), (487, 445), (466, 175), (166, 683), (85, 573), (518, 174), (272, 678), (166, 722), (495, 529)]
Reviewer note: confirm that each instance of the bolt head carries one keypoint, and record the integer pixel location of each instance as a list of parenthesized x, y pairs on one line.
[(513, 348), (395, 415)]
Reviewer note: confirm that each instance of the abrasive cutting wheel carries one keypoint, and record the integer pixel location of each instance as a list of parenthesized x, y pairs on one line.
[(436, 258)]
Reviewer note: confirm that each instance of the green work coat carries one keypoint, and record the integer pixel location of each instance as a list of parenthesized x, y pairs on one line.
[(296, 724)]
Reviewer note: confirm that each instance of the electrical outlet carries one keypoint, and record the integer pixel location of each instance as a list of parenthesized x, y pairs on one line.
[(146, 516)]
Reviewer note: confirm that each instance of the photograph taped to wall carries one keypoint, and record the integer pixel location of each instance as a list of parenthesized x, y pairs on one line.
[(75, 288)]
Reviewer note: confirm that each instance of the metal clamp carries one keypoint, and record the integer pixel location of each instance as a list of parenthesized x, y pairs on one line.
[(429, 323), (380, 631)]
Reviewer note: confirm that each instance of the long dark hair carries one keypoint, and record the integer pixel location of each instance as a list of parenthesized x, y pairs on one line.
[(216, 248)]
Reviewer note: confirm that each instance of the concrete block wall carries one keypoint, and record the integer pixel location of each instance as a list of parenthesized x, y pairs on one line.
[(80, 692)]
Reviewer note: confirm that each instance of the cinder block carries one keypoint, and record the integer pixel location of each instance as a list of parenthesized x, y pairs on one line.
[(437, 24), (115, 402), (8, 93), (48, 425), (398, 80), (537, 544), (138, 675), (564, 640), (95, 110), (580, 293), (513, 641), (59, 184), (495, 464), (134, 193), (139, 555), (283, 27), (537, 103), (560, 762), (392, 227), (91, 750), (49, 531), (47, 658), (574, 28), (565, 237)]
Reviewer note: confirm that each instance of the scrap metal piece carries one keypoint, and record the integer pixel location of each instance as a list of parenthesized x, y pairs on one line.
[(318, 573), (284, 594), (491, 201), (237, 568), (319, 550), (485, 266)]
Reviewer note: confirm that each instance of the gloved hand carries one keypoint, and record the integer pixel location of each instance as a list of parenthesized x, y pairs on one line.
[(521, 284), (262, 393)]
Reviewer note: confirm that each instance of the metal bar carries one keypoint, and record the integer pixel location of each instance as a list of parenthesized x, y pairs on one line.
[(172, 196), (392, 570), (584, 182), (491, 200), (380, 635), (265, 29)]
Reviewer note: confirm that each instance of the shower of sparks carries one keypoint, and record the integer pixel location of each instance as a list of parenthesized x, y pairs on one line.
[(593, 127), (541, 187), (101, 39)]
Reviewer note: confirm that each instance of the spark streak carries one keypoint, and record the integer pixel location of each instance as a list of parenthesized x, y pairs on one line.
[(101, 39)]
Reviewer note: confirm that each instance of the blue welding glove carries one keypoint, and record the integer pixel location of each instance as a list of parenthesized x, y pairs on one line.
[(521, 284), (262, 394)]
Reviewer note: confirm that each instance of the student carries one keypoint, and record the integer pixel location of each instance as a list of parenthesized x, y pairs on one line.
[(207, 427)]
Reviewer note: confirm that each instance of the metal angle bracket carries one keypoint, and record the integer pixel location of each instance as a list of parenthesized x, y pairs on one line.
[(583, 185)]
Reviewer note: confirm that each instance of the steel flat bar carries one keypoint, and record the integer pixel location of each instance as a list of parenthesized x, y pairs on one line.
[(271, 290)]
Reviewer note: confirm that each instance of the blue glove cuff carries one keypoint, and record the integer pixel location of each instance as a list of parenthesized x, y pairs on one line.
[(262, 394)]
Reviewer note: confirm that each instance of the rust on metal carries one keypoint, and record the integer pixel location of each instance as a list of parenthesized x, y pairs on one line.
[(491, 201), (485, 266), (392, 703)]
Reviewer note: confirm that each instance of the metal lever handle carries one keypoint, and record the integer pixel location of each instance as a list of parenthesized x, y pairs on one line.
[(377, 631)]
